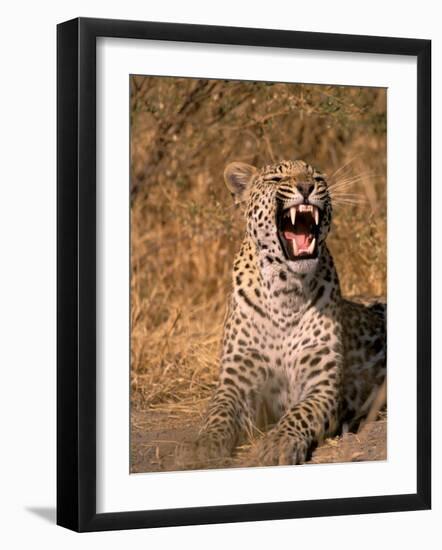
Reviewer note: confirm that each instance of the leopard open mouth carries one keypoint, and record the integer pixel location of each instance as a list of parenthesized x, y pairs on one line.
[(298, 231)]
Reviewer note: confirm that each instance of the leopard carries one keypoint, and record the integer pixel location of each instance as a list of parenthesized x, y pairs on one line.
[(299, 362)]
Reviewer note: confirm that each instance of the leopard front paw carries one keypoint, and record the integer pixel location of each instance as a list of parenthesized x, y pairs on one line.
[(278, 448)]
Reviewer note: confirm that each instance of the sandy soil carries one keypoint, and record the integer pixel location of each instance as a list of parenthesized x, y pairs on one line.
[(156, 434)]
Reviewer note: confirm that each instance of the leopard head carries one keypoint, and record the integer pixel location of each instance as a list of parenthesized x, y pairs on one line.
[(288, 210)]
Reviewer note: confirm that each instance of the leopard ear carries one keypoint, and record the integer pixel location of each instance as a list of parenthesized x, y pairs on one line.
[(239, 177)]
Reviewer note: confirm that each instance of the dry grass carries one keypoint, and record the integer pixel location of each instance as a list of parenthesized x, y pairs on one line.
[(185, 230)]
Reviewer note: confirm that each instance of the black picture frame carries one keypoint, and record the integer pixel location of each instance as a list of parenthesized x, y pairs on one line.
[(77, 287)]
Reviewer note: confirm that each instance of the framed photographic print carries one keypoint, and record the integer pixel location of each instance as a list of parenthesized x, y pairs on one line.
[(243, 233)]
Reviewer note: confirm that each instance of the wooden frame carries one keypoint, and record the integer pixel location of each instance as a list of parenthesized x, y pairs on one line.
[(76, 272)]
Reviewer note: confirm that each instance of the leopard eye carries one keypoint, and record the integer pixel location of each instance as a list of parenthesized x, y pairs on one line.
[(273, 179)]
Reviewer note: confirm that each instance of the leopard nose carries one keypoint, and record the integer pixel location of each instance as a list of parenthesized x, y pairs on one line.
[(305, 188)]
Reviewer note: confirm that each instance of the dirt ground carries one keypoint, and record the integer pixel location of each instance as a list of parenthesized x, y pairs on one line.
[(156, 433)]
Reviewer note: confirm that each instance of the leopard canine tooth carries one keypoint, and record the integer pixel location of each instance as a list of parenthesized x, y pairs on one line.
[(316, 214), (294, 247), (311, 248), (293, 214)]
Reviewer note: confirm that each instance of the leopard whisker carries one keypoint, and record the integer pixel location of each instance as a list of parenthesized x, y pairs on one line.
[(353, 203), (345, 182), (352, 196), (344, 166)]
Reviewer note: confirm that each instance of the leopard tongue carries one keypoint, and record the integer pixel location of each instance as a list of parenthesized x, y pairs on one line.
[(302, 240)]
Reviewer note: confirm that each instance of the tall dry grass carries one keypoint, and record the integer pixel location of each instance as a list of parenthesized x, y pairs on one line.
[(185, 229)]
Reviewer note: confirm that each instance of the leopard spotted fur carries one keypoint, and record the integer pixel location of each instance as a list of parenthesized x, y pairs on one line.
[(293, 347)]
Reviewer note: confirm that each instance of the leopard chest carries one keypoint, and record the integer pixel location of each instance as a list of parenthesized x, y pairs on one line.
[(293, 351)]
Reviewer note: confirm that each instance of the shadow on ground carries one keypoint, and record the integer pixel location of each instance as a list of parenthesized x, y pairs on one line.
[(47, 513)]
